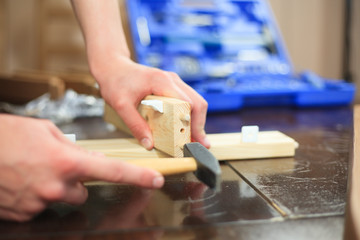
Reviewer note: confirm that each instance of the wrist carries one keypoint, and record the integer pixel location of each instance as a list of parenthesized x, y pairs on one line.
[(103, 63), (103, 52)]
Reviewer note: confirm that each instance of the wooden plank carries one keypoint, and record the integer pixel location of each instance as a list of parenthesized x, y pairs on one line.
[(170, 129), (224, 146), (352, 223), (228, 146)]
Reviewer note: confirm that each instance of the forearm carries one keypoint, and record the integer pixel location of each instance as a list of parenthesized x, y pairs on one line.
[(101, 25)]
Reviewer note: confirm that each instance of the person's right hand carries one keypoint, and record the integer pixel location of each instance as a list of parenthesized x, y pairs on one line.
[(39, 165)]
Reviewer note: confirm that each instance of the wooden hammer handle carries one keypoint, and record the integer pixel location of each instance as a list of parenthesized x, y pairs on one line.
[(167, 166)]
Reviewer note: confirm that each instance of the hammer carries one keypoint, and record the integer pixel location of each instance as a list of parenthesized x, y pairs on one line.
[(196, 159)]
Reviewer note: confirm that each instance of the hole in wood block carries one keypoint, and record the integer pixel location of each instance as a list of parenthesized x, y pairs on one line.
[(182, 130)]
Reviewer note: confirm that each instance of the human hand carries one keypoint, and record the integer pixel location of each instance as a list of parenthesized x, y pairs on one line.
[(39, 165), (124, 83)]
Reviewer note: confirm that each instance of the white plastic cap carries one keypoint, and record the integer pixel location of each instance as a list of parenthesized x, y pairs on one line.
[(71, 137), (250, 134), (157, 105)]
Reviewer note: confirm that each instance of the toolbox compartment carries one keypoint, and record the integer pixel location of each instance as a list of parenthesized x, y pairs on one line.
[(230, 51)]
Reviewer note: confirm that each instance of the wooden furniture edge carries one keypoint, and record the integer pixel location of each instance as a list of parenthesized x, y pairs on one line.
[(20, 90), (81, 83)]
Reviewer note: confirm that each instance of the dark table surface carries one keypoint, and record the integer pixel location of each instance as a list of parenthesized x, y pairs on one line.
[(286, 198)]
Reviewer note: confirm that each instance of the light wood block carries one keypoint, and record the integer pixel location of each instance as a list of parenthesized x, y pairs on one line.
[(224, 146), (170, 129)]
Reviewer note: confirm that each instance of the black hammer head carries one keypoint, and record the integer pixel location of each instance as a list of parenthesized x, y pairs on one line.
[(208, 167)]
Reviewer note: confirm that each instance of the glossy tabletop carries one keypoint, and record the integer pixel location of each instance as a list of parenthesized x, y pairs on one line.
[(303, 197)]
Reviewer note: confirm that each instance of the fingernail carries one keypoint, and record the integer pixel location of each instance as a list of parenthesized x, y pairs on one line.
[(158, 182), (146, 143), (206, 142)]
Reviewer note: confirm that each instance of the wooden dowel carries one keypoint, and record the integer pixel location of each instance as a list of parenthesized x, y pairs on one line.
[(167, 166)]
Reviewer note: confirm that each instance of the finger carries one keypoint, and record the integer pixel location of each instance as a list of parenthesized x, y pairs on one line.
[(6, 197), (198, 118), (168, 87), (198, 114), (137, 125), (22, 202), (12, 215), (61, 137), (75, 193), (112, 170)]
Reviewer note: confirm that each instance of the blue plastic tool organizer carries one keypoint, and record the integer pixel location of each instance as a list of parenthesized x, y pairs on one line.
[(230, 51)]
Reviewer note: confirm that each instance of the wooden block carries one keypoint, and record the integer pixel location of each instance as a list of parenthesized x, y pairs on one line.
[(170, 129), (224, 146)]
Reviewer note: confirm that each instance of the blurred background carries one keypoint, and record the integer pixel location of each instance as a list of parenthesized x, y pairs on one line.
[(44, 35)]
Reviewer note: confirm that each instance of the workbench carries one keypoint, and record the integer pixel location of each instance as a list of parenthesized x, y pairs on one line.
[(285, 198)]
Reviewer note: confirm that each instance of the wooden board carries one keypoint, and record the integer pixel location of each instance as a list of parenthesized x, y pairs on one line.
[(225, 146)]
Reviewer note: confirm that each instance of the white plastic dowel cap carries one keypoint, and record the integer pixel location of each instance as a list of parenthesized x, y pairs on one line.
[(250, 134), (71, 137), (157, 105)]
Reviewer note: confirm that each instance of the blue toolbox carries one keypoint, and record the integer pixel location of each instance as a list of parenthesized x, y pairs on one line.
[(230, 51)]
